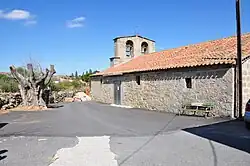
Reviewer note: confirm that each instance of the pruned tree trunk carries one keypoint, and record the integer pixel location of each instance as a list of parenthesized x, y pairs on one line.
[(32, 86)]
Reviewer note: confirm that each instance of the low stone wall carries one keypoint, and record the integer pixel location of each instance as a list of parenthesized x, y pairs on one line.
[(68, 96), (58, 97), (9, 100), (12, 100)]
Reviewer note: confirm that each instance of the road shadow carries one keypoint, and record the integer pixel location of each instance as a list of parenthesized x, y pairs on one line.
[(2, 152), (55, 106), (2, 125), (232, 133)]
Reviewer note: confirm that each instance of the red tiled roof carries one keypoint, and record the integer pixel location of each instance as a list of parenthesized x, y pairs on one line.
[(4, 73), (222, 51)]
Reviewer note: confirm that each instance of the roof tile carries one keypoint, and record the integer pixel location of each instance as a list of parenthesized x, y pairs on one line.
[(222, 51)]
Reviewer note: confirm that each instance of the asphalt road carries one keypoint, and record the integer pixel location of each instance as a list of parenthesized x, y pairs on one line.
[(88, 133)]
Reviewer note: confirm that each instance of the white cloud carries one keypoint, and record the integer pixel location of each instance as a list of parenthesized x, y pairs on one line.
[(1, 13), (79, 19), (75, 23), (18, 14)]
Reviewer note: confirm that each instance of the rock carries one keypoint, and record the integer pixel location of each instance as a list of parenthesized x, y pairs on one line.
[(82, 96), (1, 102), (9, 100), (8, 106), (12, 100), (77, 99), (68, 99), (5, 107), (51, 99), (61, 95)]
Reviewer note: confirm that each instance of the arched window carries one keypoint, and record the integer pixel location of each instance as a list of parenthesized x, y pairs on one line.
[(144, 48), (129, 48)]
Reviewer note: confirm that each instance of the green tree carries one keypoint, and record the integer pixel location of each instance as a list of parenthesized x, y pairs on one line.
[(76, 75), (72, 75), (90, 71), (96, 71), (86, 76), (22, 71)]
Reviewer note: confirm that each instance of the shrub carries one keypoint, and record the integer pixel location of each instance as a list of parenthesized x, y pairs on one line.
[(67, 85), (76, 84), (54, 87), (8, 84), (3, 77)]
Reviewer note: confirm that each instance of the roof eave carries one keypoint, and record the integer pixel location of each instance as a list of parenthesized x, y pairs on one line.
[(168, 68), (245, 58), (106, 75)]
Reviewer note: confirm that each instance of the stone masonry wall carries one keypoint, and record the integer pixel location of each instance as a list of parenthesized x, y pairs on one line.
[(166, 90), (102, 92), (245, 83), (120, 47)]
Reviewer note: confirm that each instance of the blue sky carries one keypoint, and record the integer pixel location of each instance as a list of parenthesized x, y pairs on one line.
[(77, 34)]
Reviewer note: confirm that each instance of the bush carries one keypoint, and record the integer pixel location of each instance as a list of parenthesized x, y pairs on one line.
[(3, 77), (67, 85), (54, 87), (76, 84), (8, 84)]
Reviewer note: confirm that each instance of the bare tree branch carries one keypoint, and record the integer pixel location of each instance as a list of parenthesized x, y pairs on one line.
[(51, 73), (31, 72), (19, 77), (40, 68), (52, 69), (43, 76)]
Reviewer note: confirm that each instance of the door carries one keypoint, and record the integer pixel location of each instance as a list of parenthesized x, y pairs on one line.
[(117, 93)]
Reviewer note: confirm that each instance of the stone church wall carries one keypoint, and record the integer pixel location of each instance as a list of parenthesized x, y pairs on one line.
[(166, 90)]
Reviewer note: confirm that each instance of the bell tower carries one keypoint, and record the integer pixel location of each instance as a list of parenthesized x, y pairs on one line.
[(128, 47)]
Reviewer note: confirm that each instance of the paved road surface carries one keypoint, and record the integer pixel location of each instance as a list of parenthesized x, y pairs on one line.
[(97, 134)]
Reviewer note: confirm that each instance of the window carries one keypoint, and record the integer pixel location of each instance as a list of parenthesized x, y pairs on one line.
[(188, 82), (129, 48), (138, 80), (144, 48)]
